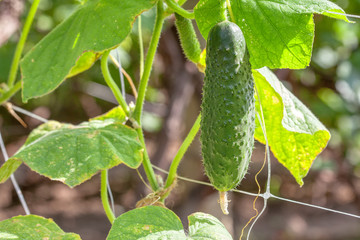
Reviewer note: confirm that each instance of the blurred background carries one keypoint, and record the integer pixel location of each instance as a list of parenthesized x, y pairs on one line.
[(330, 87)]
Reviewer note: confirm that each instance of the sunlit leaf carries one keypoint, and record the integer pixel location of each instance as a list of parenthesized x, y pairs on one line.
[(97, 25), (294, 134), (73, 154), (32, 227)]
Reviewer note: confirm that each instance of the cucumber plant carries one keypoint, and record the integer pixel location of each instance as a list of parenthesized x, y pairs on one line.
[(228, 123)]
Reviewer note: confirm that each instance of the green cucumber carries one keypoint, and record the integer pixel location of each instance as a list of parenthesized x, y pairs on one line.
[(188, 39), (228, 108)]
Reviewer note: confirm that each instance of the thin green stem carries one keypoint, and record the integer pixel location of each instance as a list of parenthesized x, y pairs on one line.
[(8, 94), (104, 197), (141, 47), (111, 83), (230, 10), (149, 171), (160, 17), (179, 10), (21, 43), (149, 61), (182, 150)]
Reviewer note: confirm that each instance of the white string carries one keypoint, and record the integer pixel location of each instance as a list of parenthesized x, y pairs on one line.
[(121, 75), (30, 114), (267, 191), (315, 206), (264, 195), (13, 180), (344, 14)]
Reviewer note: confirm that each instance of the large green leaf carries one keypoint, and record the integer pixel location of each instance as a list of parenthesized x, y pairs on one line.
[(278, 33), (33, 227), (153, 223), (294, 134), (73, 154), (208, 13), (148, 223), (96, 26)]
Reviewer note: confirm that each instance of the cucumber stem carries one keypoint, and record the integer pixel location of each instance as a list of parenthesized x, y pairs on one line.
[(149, 61), (179, 10), (111, 83), (104, 197), (20, 46), (179, 155)]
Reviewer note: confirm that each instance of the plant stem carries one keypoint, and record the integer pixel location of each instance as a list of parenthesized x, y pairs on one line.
[(8, 94), (104, 197), (149, 61), (21, 43), (141, 47), (230, 10), (149, 171), (179, 10), (182, 150), (111, 83)]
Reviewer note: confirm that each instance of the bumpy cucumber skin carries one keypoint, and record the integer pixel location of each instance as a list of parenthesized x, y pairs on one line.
[(228, 107), (188, 40)]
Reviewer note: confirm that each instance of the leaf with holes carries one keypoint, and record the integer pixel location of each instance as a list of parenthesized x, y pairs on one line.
[(32, 227), (73, 154), (278, 33), (96, 26), (153, 222), (294, 134)]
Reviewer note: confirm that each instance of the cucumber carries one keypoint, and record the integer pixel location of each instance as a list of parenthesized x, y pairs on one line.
[(228, 108), (188, 39)]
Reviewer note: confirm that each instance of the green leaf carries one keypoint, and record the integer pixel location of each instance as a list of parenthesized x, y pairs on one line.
[(32, 227), (96, 26), (117, 114), (153, 222), (294, 134), (148, 223), (8, 168), (73, 154), (208, 13), (204, 226), (280, 33)]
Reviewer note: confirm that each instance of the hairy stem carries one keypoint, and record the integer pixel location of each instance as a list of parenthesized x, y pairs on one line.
[(149, 61), (182, 150), (21, 43), (111, 83), (179, 10), (104, 197)]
